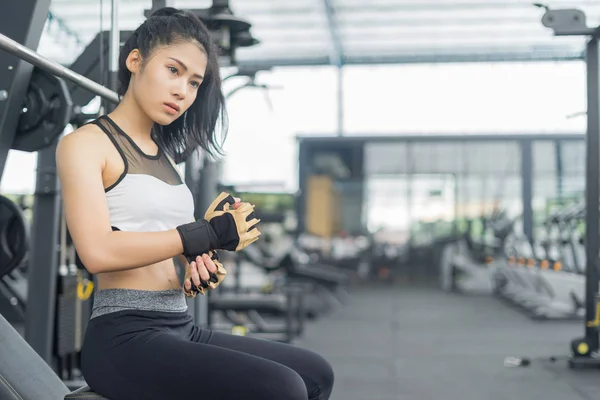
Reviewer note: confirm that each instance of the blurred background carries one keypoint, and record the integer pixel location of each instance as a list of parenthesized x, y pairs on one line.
[(426, 151), (425, 106)]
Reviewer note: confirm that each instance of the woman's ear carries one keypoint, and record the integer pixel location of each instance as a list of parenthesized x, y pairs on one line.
[(134, 61)]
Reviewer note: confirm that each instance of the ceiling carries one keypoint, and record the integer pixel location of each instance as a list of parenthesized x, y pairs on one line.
[(336, 32)]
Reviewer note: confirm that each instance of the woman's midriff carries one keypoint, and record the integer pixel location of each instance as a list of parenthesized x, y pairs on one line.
[(159, 276)]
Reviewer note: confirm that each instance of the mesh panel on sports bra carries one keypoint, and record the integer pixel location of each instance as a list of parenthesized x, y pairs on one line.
[(136, 161)]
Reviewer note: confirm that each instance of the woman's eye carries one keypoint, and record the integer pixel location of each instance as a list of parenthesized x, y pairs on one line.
[(173, 70), (195, 84)]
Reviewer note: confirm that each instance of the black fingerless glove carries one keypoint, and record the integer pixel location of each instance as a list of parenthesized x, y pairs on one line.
[(223, 228), (235, 228), (198, 237)]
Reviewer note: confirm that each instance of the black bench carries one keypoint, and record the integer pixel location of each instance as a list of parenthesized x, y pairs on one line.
[(19, 363), (84, 393)]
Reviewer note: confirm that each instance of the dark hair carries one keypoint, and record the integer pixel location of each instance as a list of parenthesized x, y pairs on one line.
[(197, 126)]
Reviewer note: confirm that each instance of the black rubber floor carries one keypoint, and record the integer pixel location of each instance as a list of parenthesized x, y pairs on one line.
[(391, 343)]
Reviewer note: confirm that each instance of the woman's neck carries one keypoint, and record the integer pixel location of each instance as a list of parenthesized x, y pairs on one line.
[(132, 119)]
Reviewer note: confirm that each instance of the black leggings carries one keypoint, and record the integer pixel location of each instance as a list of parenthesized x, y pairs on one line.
[(149, 355)]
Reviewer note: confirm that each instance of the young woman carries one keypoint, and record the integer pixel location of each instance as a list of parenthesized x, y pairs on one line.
[(130, 213)]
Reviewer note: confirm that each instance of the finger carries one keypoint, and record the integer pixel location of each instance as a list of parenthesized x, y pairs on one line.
[(215, 281), (247, 241), (209, 264), (245, 208), (221, 200), (187, 285), (214, 255), (252, 224), (247, 211), (254, 234), (194, 273), (250, 216), (202, 271), (249, 237), (220, 270)]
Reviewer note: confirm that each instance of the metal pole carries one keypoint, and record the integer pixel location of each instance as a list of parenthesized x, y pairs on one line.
[(559, 170), (43, 260), (304, 171), (54, 68), (114, 49), (206, 192), (201, 178), (527, 188), (592, 194), (193, 164)]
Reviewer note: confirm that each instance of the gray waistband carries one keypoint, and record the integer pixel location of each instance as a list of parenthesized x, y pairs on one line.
[(113, 300)]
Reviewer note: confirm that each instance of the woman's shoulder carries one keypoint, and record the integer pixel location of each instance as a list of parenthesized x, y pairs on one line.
[(89, 132), (88, 138)]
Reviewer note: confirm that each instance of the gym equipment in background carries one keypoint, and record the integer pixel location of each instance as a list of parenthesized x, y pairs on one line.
[(573, 22)]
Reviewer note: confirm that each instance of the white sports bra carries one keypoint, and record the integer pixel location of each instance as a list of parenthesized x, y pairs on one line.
[(150, 195)]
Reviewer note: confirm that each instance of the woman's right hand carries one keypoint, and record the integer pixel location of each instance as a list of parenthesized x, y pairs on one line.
[(228, 224), (233, 222)]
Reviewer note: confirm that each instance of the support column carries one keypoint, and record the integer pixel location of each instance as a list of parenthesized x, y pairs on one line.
[(42, 273), (527, 188), (202, 178), (559, 171), (114, 47), (592, 194)]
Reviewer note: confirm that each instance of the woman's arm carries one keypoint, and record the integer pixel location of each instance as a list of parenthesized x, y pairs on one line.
[(80, 164)]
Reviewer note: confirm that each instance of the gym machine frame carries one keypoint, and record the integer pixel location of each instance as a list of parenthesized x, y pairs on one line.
[(44, 233), (19, 60), (572, 22)]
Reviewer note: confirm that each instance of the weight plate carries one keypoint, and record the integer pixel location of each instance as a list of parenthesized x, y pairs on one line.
[(14, 236), (47, 111)]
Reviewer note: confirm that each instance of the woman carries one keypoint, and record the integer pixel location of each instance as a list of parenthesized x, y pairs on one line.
[(130, 213)]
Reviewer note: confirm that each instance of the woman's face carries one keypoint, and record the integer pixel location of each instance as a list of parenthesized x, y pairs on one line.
[(168, 83)]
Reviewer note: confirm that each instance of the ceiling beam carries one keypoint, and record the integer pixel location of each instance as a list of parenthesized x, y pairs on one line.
[(444, 5), (401, 58)]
